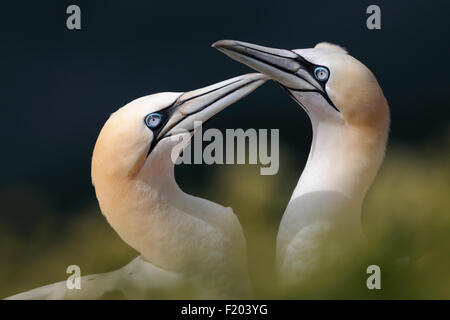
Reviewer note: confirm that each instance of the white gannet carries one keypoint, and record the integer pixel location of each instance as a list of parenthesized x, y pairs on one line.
[(185, 242), (350, 123)]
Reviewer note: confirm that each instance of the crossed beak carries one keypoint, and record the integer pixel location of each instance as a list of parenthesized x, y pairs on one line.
[(284, 66), (287, 67), (198, 106)]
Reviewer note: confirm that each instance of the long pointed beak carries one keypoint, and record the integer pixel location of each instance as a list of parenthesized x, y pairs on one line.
[(284, 66), (201, 104)]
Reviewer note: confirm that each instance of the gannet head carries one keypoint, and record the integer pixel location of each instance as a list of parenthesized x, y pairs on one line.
[(133, 174), (140, 133), (325, 80), (347, 108)]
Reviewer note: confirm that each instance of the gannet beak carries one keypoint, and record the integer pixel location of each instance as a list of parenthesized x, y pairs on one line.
[(201, 104), (284, 66)]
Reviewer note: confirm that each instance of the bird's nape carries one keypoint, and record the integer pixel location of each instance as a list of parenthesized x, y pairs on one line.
[(350, 121), (189, 247), (133, 173), (325, 80)]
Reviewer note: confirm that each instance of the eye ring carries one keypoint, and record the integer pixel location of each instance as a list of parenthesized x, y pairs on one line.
[(153, 120), (321, 73)]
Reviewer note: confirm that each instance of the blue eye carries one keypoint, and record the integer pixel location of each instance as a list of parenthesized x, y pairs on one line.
[(321, 73), (153, 120)]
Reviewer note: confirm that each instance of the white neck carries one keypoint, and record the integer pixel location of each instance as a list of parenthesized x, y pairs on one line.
[(333, 166), (342, 163), (173, 230)]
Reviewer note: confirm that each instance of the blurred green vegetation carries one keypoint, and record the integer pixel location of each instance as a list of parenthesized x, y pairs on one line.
[(406, 217)]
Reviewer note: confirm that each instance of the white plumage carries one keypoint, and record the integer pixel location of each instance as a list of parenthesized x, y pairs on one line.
[(190, 247), (350, 122)]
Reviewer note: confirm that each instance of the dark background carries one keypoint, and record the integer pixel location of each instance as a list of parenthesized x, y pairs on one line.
[(59, 86)]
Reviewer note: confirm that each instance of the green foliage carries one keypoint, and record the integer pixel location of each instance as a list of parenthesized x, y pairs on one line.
[(406, 218)]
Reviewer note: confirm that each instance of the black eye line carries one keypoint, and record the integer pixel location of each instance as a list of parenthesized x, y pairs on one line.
[(170, 109), (167, 111), (165, 116), (310, 68), (179, 103), (323, 94)]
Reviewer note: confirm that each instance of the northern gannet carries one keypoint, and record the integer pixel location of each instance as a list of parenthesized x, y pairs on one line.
[(350, 123), (185, 242)]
